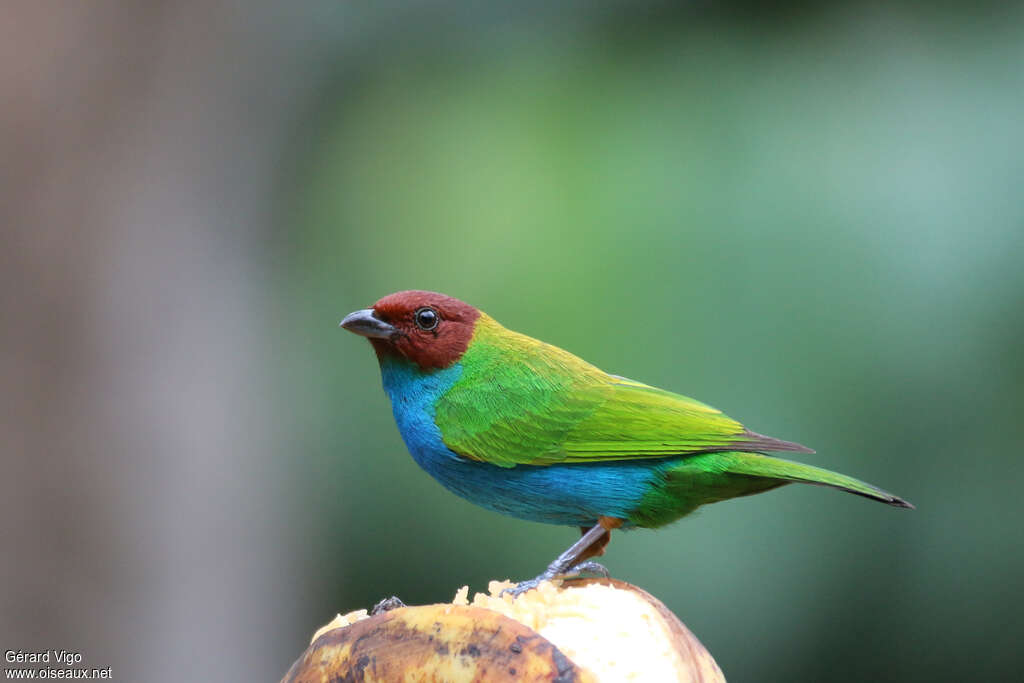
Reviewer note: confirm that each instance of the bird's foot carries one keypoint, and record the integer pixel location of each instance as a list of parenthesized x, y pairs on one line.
[(528, 585), (386, 605), (588, 567), (567, 565)]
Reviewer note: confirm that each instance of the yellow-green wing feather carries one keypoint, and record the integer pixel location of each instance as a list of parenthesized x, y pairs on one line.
[(520, 401), (637, 420)]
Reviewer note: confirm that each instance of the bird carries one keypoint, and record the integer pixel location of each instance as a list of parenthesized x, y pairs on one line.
[(527, 429)]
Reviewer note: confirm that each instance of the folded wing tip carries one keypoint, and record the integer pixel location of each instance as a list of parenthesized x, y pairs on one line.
[(768, 443)]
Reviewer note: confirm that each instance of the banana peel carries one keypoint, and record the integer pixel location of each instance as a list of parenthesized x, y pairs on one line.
[(583, 631)]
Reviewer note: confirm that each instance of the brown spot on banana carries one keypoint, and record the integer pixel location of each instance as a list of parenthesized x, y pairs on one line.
[(434, 643)]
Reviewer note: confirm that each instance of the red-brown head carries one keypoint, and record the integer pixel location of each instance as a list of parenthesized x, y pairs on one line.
[(430, 329)]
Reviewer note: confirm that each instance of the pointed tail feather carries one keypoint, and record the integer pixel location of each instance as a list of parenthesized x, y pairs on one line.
[(757, 465)]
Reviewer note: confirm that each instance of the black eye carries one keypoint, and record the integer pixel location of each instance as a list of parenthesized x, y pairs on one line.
[(427, 318)]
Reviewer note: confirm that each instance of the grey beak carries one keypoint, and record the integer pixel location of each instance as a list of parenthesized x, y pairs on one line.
[(367, 324)]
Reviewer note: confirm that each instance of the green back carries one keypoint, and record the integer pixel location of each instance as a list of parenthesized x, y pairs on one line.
[(521, 401)]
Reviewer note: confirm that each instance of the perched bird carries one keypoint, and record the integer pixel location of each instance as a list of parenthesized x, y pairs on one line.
[(527, 429)]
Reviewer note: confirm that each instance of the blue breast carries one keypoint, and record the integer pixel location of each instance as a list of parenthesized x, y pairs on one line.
[(574, 494)]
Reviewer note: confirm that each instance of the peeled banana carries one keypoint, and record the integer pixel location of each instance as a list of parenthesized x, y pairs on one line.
[(592, 630)]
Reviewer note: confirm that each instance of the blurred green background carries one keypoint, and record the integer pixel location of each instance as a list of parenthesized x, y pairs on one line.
[(809, 217)]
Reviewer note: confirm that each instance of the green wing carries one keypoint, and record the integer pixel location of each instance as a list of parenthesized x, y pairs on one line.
[(520, 401)]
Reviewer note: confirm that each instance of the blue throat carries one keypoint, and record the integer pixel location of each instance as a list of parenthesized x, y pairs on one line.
[(575, 494)]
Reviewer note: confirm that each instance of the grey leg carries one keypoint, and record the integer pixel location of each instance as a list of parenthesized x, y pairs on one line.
[(567, 561)]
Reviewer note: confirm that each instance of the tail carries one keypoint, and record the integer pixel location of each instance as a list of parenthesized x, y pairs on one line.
[(768, 467)]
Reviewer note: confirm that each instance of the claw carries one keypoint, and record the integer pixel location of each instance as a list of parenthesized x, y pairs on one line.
[(386, 605), (520, 588), (528, 585), (588, 567)]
